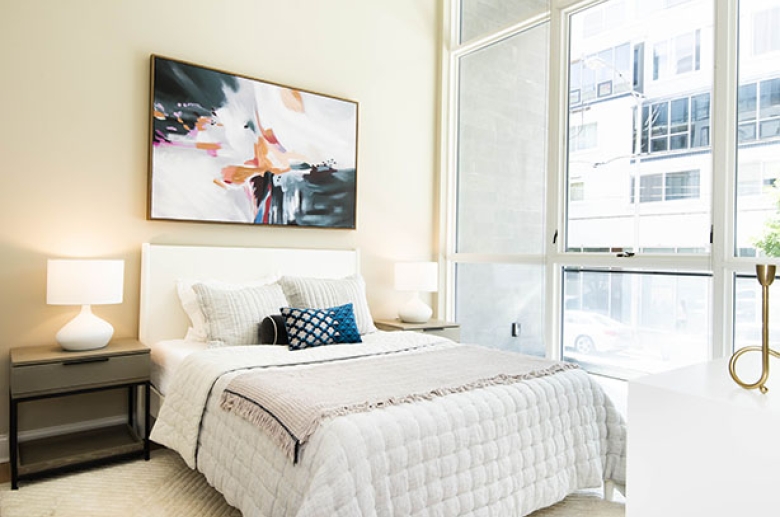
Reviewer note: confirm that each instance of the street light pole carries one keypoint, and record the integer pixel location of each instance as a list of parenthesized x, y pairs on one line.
[(596, 63)]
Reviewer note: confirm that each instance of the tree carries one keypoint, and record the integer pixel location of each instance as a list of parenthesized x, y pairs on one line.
[(769, 243)]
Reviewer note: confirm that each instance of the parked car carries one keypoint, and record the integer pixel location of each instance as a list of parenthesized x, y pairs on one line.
[(588, 332)]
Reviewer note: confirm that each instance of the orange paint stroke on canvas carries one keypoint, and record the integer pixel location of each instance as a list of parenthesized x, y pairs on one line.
[(239, 174), (292, 100), (208, 146), (202, 122)]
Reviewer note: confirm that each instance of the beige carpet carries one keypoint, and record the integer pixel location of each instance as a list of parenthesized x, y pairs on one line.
[(165, 487)]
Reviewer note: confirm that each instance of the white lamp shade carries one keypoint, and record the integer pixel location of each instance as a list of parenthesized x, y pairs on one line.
[(84, 282), (417, 276)]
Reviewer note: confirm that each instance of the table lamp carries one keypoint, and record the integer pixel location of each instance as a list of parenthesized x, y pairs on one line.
[(416, 277), (85, 283)]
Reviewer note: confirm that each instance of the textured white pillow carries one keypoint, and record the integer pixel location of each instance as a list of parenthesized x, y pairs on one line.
[(190, 304), (322, 293), (233, 314)]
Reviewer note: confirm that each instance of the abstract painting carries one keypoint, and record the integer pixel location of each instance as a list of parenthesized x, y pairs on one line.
[(230, 149)]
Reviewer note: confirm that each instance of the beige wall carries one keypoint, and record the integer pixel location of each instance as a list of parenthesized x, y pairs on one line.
[(74, 138)]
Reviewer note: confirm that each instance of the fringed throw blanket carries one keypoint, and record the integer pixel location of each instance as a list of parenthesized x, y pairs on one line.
[(289, 404)]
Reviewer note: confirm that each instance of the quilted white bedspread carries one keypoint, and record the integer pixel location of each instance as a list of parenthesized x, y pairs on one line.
[(504, 450)]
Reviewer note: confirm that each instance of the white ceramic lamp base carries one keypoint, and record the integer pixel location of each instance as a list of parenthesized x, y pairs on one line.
[(415, 311), (85, 332)]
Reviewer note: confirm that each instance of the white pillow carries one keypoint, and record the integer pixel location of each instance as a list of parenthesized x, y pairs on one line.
[(233, 314), (322, 293), (190, 304)]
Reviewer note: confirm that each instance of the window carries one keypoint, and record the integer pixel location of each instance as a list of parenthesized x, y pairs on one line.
[(750, 180), (633, 128), (746, 112), (769, 108), (766, 37), (631, 323), (678, 55), (667, 186), (481, 17), (682, 185), (758, 126), (577, 191), (758, 110), (700, 123), (676, 125), (651, 188), (601, 74), (649, 195), (747, 311), (659, 59), (602, 18), (659, 127), (500, 192), (583, 137)]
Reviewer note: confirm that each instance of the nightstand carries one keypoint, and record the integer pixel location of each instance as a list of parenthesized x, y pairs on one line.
[(41, 372), (447, 329)]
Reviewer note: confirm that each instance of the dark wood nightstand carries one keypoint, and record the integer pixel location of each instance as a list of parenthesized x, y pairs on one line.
[(41, 372), (447, 329)]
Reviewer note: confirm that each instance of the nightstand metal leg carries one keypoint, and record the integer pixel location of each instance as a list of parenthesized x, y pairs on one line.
[(131, 409), (14, 445), (147, 418)]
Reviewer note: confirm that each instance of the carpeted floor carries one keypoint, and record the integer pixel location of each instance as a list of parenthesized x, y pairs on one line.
[(165, 487)]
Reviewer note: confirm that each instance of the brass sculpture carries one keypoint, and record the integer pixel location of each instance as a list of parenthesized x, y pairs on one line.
[(766, 275)]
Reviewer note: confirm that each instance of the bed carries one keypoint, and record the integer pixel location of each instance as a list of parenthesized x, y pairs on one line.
[(501, 448)]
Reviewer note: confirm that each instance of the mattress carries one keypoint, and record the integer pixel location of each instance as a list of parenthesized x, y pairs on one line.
[(166, 357), (502, 450)]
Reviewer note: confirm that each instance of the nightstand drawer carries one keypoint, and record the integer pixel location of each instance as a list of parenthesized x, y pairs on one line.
[(76, 373)]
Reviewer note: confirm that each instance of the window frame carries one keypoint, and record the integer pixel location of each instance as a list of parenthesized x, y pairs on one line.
[(721, 134)]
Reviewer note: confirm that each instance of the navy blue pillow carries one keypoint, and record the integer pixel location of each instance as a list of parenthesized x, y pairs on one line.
[(315, 327), (273, 330)]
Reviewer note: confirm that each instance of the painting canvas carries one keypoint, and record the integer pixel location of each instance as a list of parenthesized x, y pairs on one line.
[(231, 149)]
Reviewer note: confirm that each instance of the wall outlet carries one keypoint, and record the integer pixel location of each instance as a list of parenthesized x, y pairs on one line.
[(516, 329)]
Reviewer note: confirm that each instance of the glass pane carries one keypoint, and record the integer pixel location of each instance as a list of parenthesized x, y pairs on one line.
[(748, 307), (651, 188), (746, 132), (660, 119), (746, 107), (750, 180), (684, 47), (769, 128), (758, 198), (576, 191), (679, 115), (769, 101), (627, 324), (766, 37), (495, 301), (659, 144), (668, 80), (479, 17), (678, 142), (575, 80), (682, 185), (659, 60), (700, 120), (502, 146)]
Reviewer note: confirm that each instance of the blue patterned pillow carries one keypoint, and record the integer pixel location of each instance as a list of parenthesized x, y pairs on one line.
[(346, 324), (314, 327)]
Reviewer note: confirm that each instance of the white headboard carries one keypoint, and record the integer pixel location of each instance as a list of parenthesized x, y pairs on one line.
[(161, 316)]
